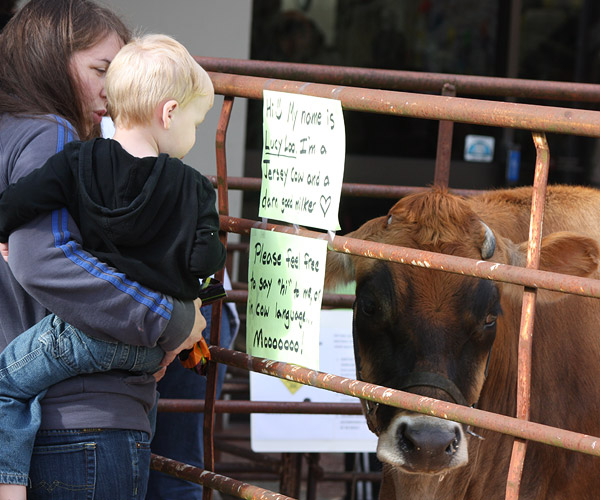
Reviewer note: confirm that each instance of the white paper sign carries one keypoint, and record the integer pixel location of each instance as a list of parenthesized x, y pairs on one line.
[(313, 433), (304, 143)]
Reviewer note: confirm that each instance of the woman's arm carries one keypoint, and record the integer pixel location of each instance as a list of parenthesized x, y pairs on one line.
[(44, 189), (47, 260)]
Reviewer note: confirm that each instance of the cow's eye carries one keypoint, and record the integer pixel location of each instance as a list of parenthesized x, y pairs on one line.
[(490, 321), (368, 307)]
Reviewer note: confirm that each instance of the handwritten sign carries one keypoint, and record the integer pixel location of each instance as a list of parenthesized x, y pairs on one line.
[(285, 289), (313, 433), (302, 160)]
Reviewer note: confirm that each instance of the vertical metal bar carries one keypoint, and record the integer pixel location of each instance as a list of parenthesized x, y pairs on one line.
[(221, 155), (514, 39), (291, 474), (215, 330), (313, 476), (441, 176), (528, 312)]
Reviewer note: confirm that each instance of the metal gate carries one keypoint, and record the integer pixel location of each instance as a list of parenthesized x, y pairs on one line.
[(447, 109)]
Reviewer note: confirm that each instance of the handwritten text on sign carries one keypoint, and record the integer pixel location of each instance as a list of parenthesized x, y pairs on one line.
[(285, 289), (303, 159)]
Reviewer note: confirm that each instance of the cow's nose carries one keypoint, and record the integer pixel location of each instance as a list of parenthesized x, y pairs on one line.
[(428, 443)]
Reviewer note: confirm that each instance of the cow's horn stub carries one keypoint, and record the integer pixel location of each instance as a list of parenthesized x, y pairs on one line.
[(489, 243)]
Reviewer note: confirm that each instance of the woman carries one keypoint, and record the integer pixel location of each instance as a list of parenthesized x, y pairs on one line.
[(94, 434)]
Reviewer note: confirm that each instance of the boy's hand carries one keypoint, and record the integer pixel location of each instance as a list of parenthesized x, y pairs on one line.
[(194, 336), (4, 251)]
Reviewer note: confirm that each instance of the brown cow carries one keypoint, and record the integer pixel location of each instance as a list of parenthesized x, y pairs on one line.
[(433, 333)]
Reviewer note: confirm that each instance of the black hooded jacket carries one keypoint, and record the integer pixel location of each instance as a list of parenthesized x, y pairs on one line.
[(153, 219)]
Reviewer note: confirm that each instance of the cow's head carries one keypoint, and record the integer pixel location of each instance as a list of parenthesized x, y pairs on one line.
[(430, 332)]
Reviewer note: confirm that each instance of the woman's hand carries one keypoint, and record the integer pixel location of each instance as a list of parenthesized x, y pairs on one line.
[(4, 251), (194, 336)]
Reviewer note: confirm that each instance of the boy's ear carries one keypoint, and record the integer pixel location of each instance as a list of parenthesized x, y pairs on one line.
[(166, 112)]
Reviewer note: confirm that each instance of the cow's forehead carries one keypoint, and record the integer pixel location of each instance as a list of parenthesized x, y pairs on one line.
[(436, 221)]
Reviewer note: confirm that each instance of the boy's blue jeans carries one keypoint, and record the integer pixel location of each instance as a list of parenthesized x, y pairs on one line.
[(44, 355)]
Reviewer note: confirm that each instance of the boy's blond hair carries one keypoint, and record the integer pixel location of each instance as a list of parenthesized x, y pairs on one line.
[(148, 71)]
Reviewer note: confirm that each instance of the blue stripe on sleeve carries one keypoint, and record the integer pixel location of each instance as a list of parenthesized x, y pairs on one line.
[(63, 126), (60, 142), (62, 239), (154, 301)]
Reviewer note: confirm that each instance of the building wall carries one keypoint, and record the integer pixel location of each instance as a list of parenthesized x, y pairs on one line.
[(207, 28)]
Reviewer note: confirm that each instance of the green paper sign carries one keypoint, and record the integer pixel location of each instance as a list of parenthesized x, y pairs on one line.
[(285, 289)]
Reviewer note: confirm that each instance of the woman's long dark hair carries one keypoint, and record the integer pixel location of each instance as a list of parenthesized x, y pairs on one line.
[(35, 49)]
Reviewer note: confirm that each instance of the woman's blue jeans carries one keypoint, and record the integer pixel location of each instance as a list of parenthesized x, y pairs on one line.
[(44, 355), (90, 464)]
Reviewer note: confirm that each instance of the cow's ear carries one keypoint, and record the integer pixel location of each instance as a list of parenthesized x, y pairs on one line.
[(569, 253), (564, 252), (339, 270), (340, 266)]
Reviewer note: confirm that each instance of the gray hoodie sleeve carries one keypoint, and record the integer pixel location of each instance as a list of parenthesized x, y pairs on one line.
[(46, 258)]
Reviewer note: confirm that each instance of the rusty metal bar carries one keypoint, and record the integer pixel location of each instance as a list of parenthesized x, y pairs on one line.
[(291, 474), (586, 287), (414, 81), (470, 416), (235, 406), (329, 299), (432, 107), (222, 187), (215, 331), (212, 481), (313, 476), (231, 387), (348, 189), (443, 156), (211, 396), (525, 346)]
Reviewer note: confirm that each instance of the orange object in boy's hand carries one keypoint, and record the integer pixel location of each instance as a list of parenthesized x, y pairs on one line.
[(196, 358)]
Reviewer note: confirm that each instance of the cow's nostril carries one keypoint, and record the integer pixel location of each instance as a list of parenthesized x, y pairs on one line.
[(453, 446), (455, 443), (406, 443)]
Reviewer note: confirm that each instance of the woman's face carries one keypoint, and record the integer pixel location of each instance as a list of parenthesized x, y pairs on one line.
[(89, 67)]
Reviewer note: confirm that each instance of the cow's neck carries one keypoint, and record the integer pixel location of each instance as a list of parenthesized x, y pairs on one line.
[(401, 486)]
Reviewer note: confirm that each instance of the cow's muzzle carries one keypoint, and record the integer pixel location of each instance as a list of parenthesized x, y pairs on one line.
[(422, 444)]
